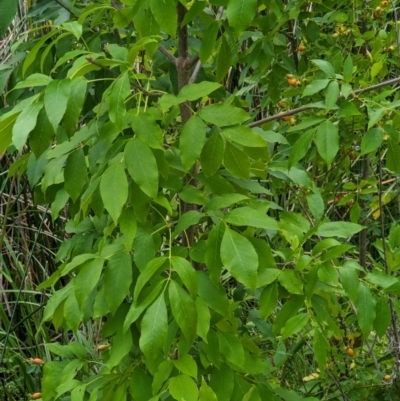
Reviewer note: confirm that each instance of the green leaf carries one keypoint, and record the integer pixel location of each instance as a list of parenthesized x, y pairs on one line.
[(366, 312), (290, 280), (75, 174), (371, 141), (33, 81), (192, 140), (206, 393), (268, 300), (114, 189), (119, 92), (140, 45), (340, 229), (349, 279), (321, 348), (8, 9), (241, 13), (327, 141), (182, 387), (187, 220), (383, 316), (224, 59), (74, 27), (212, 154), (145, 127), (223, 114), (332, 94), (24, 124), (154, 328), (187, 274), (149, 271), (288, 310), (87, 279), (187, 365), (213, 294), (128, 226), (393, 157), (240, 258), (307, 123), (231, 347), (6, 127), (294, 325), (184, 311), (376, 68), (213, 256), (246, 216), (74, 105), (208, 42), (301, 147), (326, 67), (193, 92), (244, 136), (142, 166), (315, 86), (203, 318), (222, 382), (236, 162), (375, 116), (221, 202), (56, 100), (117, 279), (316, 204), (140, 385), (42, 135), (348, 69), (164, 12)]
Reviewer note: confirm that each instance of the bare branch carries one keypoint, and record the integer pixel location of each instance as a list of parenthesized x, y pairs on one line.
[(304, 108), (195, 72), (167, 54), (133, 84), (65, 7)]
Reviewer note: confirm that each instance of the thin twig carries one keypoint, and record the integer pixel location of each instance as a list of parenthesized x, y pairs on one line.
[(167, 54), (66, 8), (195, 72), (133, 84), (304, 108)]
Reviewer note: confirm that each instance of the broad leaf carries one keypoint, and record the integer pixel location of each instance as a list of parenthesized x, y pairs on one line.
[(223, 114), (340, 229), (244, 136), (246, 216), (239, 258), (192, 141), (114, 189), (327, 141), (212, 154), (142, 166), (117, 279), (154, 329), (240, 13), (24, 124), (182, 387), (119, 92), (145, 127), (236, 162), (366, 311), (56, 100)]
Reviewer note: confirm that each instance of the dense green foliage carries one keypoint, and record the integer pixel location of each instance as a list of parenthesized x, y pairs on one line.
[(223, 174)]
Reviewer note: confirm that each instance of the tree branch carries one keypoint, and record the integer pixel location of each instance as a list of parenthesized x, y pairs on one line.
[(167, 54), (66, 8), (303, 108), (133, 84)]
